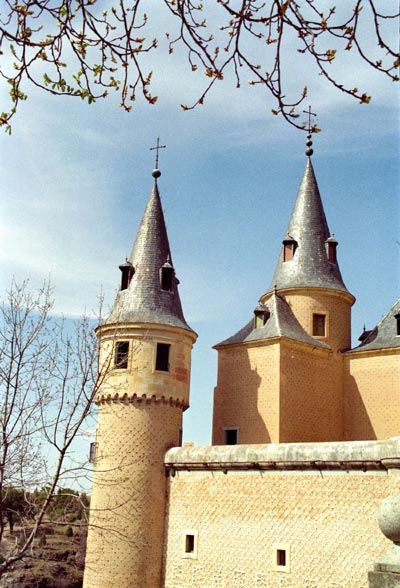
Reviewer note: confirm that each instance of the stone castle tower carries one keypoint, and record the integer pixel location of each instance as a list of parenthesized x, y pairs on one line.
[(145, 352), (280, 378)]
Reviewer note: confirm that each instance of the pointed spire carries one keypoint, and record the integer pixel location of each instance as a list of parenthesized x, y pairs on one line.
[(145, 300), (309, 264)]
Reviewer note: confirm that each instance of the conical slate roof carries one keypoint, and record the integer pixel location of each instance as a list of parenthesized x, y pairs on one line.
[(144, 301), (309, 228), (384, 335), (281, 323)]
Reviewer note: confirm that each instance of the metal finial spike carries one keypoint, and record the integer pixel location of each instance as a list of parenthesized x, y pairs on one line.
[(156, 172), (309, 143)]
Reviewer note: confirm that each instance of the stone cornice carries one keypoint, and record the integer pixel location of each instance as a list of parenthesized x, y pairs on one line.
[(355, 353), (118, 330), (126, 398), (338, 456), (304, 290)]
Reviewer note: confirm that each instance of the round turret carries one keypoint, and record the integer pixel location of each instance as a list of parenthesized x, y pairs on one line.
[(145, 353)]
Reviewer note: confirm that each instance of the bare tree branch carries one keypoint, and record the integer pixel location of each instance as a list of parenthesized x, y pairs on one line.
[(74, 48), (48, 380)]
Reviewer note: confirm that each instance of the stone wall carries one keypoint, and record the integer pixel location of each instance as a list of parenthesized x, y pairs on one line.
[(316, 503)]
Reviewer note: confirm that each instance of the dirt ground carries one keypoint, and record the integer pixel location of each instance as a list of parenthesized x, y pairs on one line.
[(56, 564)]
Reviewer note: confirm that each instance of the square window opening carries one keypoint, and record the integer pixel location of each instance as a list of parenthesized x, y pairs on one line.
[(121, 355), (162, 357), (319, 321), (231, 436)]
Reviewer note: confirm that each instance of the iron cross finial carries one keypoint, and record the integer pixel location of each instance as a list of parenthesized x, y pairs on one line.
[(157, 148), (310, 114)]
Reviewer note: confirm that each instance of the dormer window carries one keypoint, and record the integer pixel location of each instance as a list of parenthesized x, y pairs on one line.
[(331, 246), (261, 315), (289, 248), (397, 318), (127, 272), (167, 273)]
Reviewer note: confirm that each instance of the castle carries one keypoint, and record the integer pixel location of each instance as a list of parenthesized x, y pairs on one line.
[(304, 428)]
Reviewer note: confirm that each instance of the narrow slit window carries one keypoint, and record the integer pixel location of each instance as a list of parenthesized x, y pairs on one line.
[(93, 452), (397, 317), (162, 357), (281, 557), (231, 436), (121, 355), (319, 326), (189, 544)]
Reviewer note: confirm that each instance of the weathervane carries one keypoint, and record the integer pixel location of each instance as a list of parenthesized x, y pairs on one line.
[(309, 150)]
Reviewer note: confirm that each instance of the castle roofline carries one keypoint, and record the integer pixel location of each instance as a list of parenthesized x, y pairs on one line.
[(280, 323), (384, 335)]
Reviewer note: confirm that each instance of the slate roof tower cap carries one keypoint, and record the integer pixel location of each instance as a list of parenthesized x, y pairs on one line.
[(385, 335), (308, 228), (144, 301)]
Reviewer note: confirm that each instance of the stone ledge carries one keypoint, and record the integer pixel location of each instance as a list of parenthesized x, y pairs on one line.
[(343, 455)]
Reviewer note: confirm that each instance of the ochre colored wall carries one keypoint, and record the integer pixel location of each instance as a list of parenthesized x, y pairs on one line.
[(247, 393), (283, 391), (280, 392), (326, 520), (311, 394), (372, 394), (336, 306)]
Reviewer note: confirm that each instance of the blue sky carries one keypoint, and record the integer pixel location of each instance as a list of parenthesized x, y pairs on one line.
[(76, 179)]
